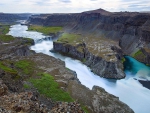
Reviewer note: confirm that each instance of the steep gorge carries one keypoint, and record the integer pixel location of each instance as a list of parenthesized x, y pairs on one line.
[(129, 30)]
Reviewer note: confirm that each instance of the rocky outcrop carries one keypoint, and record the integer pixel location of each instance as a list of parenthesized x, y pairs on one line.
[(27, 102), (21, 102), (98, 65), (54, 20), (18, 47), (3, 88), (97, 100)]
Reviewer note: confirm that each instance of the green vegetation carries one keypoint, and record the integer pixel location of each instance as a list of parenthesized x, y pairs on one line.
[(47, 86), (4, 29), (123, 60), (6, 38), (84, 60), (69, 38), (7, 69), (85, 109), (39, 74), (26, 86), (137, 53), (28, 41), (45, 30), (25, 66), (67, 68)]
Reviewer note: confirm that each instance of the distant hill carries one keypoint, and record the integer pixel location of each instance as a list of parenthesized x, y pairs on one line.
[(101, 11)]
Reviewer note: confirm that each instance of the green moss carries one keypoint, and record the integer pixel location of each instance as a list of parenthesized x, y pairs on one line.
[(139, 52), (16, 77), (28, 41), (4, 29), (85, 109), (84, 60), (25, 66), (6, 38), (26, 86), (123, 60), (45, 30), (69, 38), (50, 88), (39, 74), (7, 69), (67, 68)]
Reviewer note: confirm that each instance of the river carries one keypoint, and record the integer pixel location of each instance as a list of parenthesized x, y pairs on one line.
[(129, 90)]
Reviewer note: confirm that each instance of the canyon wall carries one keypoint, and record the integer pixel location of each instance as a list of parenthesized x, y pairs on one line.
[(98, 65), (129, 29), (12, 18)]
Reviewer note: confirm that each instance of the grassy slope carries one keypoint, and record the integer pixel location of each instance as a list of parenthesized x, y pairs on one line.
[(25, 66), (138, 54), (69, 38), (7, 69), (4, 29), (45, 30), (44, 83), (6, 38), (47, 86)]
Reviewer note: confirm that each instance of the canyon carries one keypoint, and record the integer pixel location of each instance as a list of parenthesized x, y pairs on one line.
[(98, 38), (103, 38), (20, 67)]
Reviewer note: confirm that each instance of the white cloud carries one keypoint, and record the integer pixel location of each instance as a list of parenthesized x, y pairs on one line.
[(68, 6)]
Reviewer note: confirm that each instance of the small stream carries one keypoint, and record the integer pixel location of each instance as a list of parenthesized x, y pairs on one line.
[(129, 90)]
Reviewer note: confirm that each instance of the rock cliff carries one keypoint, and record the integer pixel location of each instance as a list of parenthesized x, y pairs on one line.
[(98, 65), (131, 29), (12, 18)]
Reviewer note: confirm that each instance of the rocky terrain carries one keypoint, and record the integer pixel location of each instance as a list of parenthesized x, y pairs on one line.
[(22, 89), (7, 18), (104, 38)]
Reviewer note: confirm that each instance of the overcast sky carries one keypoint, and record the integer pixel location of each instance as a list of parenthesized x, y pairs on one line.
[(71, 6)]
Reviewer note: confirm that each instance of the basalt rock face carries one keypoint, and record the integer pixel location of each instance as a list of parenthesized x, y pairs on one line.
[(11, 18), (54, 19), (131, 29), (19, 47), (98, 65)]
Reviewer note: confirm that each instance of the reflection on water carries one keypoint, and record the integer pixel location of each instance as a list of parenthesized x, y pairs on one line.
[(129, 90)]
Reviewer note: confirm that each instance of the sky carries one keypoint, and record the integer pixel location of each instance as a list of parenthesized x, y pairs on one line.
[(71, 6)]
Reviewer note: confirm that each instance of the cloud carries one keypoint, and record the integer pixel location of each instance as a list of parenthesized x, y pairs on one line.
[(68, 6), (65, 1)]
